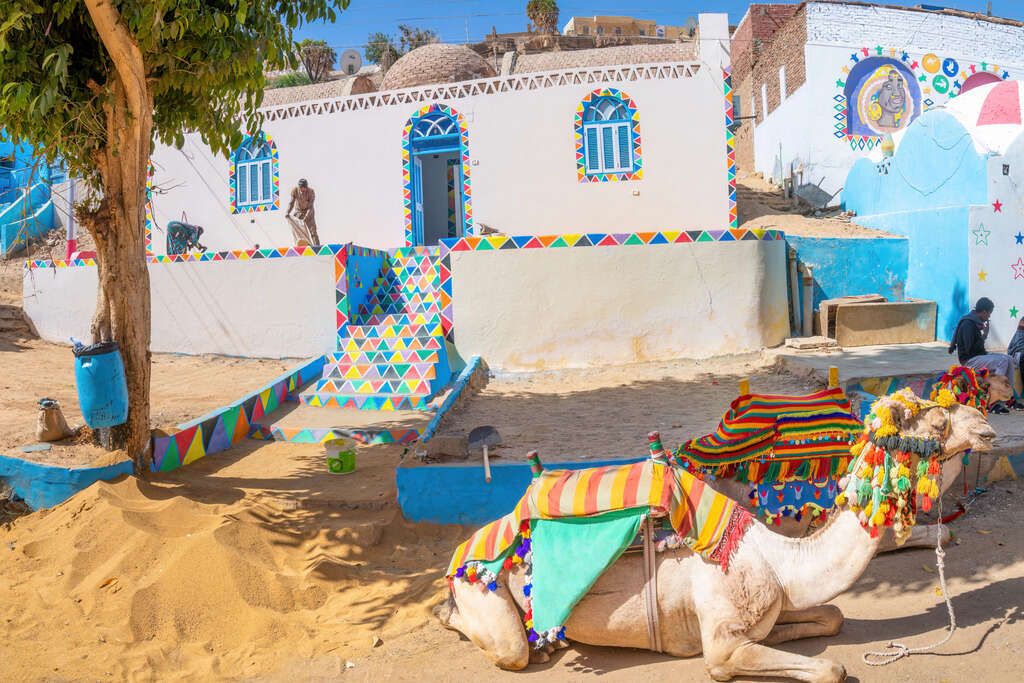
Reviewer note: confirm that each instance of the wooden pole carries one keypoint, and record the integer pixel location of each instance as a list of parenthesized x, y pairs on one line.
[(833, 377), (744, 387), (487, 466)]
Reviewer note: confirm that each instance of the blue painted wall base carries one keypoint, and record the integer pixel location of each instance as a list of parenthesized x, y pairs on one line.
[(43, 486), (847, 266), (458, 494)]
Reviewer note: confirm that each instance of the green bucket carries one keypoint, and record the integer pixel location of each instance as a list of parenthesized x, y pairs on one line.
[(341, 455)]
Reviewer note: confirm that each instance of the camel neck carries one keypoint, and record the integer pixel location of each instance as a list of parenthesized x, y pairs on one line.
[(815, 569)]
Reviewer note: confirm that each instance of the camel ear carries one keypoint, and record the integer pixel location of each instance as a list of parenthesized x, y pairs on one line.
[(897, 412)]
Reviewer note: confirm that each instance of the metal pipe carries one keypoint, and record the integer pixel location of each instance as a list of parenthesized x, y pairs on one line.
[(794, 294), (72, 242), (808, 301)]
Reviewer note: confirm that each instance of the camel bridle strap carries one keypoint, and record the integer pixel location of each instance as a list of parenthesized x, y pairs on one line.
[(651, 587), (898, 651)]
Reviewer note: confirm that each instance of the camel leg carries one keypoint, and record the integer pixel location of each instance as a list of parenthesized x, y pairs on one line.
[(490, 619), (751, 659), (824, 620)]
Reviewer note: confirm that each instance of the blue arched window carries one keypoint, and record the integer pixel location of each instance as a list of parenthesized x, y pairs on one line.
[(254, 176), (607, 137)]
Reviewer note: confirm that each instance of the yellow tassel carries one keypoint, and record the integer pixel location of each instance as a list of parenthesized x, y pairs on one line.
[(516, 559), (867, 510), (855, 508), (841, 499), (934, 490), (856, 448), (904, 471), (878, 519), (922, 486)]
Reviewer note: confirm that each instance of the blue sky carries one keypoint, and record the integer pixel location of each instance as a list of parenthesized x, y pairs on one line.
[(452, 18)]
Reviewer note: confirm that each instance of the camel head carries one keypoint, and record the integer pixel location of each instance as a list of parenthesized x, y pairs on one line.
[(905, 440), (997, 388), (953, 427), (976, 388)]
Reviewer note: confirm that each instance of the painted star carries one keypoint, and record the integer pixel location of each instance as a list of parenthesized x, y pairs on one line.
[(1013, 311), (982, 275), (1019, 237), (981, 235), (997, 207), (1018, 269)]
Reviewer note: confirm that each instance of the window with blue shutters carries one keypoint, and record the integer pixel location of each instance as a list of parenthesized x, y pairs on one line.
[(255, 176), (607, 124)]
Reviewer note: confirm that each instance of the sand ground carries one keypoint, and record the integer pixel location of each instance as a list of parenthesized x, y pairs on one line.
[(255, 564), (182, 388)]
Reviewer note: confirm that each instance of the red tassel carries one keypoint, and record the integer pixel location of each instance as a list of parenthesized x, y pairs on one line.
[(874, 532), (926, 503), (507, 564)]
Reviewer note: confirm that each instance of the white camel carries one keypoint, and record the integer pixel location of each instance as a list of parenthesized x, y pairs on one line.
[(775, 589)]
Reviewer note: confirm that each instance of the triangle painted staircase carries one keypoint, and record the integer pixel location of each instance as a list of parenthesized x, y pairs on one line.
[(393, 356)]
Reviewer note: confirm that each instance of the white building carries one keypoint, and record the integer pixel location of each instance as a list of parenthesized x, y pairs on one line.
[(826, 84), (613, 149)]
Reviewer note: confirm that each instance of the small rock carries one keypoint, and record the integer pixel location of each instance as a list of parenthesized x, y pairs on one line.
[(350, 665), (375, 641)]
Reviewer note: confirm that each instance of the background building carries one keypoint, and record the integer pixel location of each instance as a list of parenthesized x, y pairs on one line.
[(626, 26), (826, 81)]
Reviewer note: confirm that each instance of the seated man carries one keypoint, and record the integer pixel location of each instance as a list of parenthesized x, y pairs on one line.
[(969, 343)]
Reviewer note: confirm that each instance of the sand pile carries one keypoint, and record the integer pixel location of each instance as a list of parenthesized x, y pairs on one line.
[(129, 580)]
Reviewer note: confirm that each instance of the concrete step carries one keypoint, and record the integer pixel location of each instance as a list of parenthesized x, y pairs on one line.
[(367, 401), (393, 344), (388, 331), (387, 369), (366, 387)]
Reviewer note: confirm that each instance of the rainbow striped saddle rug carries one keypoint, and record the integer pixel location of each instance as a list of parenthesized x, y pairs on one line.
[(790, 448), (571, 525)]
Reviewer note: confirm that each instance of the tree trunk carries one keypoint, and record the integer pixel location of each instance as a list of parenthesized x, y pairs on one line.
[(123, 304)]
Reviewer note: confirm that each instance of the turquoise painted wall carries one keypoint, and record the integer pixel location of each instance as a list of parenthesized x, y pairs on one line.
[(937, 268), (846, 266), (924, 192), (457, 494)]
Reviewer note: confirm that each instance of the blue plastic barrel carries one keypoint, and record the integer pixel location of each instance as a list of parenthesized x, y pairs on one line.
[(102, 388)]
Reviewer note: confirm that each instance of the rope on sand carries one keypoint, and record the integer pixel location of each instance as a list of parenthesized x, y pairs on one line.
[(898, 651)]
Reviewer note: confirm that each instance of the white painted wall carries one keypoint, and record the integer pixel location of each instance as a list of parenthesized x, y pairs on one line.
[(536, 309), (993, 249), (804, 123), (523, 169), (265, 308)]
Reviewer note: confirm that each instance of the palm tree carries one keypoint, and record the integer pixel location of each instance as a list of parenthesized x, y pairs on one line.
[(543, 14)]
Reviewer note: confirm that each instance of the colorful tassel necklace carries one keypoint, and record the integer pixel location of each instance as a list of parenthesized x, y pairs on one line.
[(879, 488)]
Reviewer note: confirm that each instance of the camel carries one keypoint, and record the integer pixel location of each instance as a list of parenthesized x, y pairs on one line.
[(994, 388), (775, 589)]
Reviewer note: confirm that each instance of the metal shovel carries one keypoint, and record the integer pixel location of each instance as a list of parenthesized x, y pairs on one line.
[(484, 437)]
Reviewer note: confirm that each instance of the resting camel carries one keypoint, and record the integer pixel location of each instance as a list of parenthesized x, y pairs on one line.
[(775, 589), (995, 388)]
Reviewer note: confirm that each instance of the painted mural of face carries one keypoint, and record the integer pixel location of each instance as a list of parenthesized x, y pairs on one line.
[(891, 99)]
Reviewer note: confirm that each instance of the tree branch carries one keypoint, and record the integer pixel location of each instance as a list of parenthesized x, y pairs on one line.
[(124, 52)]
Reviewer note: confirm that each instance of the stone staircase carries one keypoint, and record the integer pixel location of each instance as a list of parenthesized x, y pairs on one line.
[(393, 356)]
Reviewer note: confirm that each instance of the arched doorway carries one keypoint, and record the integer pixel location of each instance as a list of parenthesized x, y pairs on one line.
[(435, 154)]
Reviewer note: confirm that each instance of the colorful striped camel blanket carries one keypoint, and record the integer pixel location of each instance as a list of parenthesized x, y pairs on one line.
[(571, 525), (765, 439)]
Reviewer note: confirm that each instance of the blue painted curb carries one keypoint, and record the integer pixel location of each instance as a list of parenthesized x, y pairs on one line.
[(458, 494), (460, 384), (44, 486)]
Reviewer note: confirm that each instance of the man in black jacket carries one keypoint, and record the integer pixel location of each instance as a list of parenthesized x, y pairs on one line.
[(969, 343), (972, 331)]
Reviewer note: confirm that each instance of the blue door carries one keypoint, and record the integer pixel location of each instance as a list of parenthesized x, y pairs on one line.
[(417, 202)]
